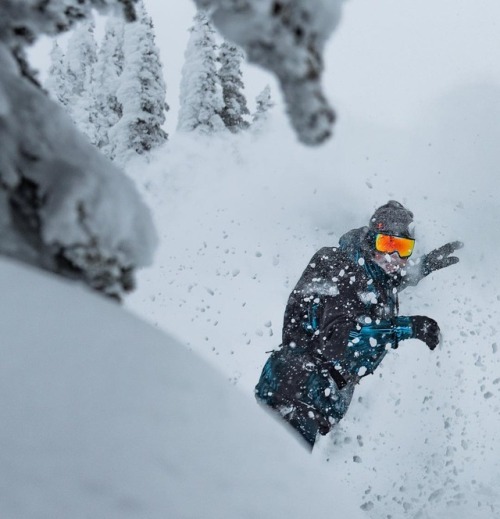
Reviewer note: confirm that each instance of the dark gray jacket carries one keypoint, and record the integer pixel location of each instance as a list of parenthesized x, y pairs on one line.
[(344, 308)]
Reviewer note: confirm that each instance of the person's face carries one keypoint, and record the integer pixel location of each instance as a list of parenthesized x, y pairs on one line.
[(390, 263)]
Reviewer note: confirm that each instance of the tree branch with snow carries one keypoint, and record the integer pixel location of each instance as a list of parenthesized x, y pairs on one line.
[(286, 37), (63, 205)]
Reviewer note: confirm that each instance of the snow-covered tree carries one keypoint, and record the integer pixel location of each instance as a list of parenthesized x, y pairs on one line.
[(117, 94), (63, 205), (57, 80), (109, 67), (81, 58), (141, 92), (201, 100), (73, 83), (264, 103), (71, 78), (235, 104)]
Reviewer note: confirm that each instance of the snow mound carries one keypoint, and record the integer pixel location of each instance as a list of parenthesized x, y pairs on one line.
[(104, 416)]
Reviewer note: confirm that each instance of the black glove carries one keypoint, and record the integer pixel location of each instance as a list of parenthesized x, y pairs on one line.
[(425, 329), (440, 258)]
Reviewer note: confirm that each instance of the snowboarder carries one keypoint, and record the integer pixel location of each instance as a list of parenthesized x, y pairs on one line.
[(342, 318)]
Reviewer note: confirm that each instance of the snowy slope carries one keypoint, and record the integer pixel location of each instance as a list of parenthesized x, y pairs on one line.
[(103, 416), (238, 220)]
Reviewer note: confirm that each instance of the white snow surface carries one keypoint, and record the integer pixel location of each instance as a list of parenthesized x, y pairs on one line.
[(104, 416), (239, 218)]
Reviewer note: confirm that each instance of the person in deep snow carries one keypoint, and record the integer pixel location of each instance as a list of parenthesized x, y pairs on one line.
[(342, 318)]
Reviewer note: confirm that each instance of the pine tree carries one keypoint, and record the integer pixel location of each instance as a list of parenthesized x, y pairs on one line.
[(235, 103), (57, 76), (201, 92), (81, 57), (264, 104), (141, 93), (109, 67)]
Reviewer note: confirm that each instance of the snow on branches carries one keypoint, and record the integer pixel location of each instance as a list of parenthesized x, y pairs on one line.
[(117, 92), (235, 104), (22, 21), (212, 98), (201, 96), (141, 92), (63, 206), (288, 38), (264, 103)]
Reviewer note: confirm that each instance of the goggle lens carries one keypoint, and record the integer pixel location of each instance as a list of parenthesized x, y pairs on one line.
[(388, 244)]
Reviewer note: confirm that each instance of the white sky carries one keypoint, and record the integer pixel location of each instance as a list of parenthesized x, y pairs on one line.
[(391, 57), (388, 60)]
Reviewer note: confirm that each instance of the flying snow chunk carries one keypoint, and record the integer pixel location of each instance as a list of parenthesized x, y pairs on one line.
[(368, 298)]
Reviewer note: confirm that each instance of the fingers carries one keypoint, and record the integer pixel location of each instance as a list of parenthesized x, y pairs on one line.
[(448, 248), (437, 339), (445, 262), (457, 244), (432, 345), (440, 258)]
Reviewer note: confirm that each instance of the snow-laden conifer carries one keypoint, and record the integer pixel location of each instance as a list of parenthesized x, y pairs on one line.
[(57, 78), (235, 104), (109, 67), (264, 103), (71, 77), (201, 100), (81, 57), (141, 92)]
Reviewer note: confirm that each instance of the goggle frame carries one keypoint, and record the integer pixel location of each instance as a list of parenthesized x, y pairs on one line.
[(403, 246)]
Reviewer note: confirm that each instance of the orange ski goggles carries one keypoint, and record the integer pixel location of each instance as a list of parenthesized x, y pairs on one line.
[(388, 244)]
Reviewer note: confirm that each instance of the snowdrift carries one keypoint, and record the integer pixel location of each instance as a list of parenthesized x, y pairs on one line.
[(104, 416)]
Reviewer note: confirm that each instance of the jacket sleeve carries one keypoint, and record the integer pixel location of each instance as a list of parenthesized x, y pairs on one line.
[(382, 332)]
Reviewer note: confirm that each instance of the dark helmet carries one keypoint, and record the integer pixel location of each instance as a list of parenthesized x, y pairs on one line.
[(392, 218)]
